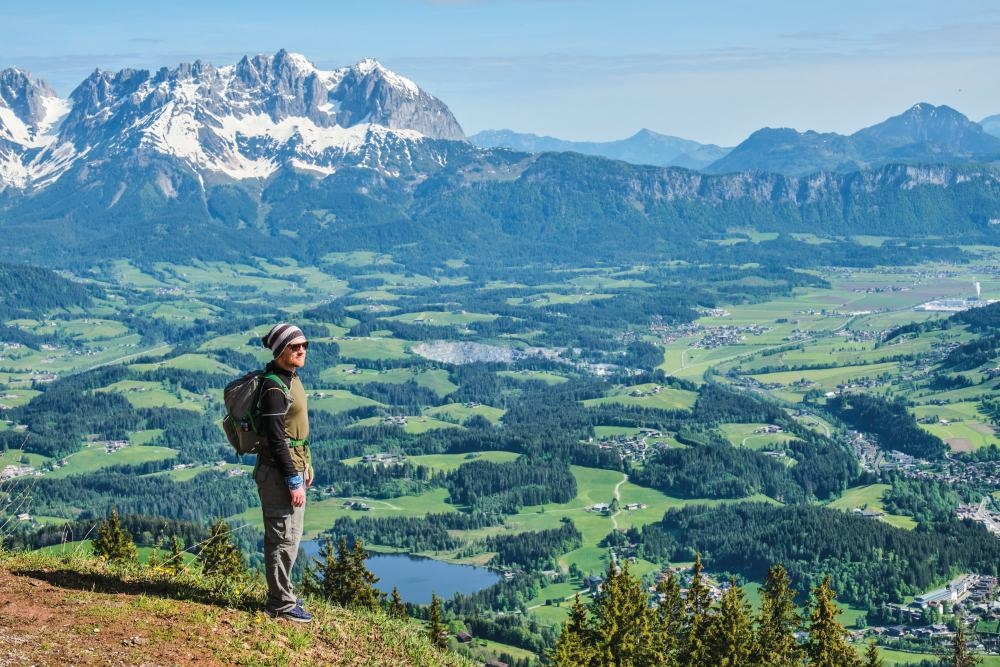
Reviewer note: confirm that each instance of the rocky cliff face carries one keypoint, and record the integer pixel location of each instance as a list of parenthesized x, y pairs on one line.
[(370, 93)]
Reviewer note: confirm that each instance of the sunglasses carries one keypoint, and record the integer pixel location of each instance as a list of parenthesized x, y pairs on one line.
[(295, 347)]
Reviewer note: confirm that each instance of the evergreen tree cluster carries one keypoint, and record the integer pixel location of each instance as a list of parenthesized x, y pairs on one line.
[(340, 577), (506, 487), (534, 550), (890, 421), (208, 495), (869, 562), (624, 626), (415, 535)]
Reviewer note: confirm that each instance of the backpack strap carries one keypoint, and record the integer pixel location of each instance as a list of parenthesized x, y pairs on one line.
[(260, 388), (277, 380)]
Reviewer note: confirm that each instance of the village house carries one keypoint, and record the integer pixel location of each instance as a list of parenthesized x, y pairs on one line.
[(384, 458)]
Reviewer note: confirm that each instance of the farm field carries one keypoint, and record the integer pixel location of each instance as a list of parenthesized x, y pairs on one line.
[(460, 412), (647, 395), (94, 457), (148, 394), (337, 400), (412, 424), (754, 436), (870, 497)]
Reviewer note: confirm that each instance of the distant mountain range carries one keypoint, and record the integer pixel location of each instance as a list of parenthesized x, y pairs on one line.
[(924, 134), (644, 147), (991, 124), (248, 120), (272, 156)]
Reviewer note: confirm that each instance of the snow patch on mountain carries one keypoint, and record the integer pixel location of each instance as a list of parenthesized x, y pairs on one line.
[(243, 121)]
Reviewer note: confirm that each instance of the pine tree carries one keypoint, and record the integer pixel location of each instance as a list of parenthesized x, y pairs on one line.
[(175, 560), (219, 556), (326, 576), (362, 581), (343, 579), (729, 639), (777, 622), (961, 656), (396, 607), (153, 562), (668, 622), (114, 544), (827, 645), (435, 626), (872, 658), (622, 619), (574, 648), (698, 604)]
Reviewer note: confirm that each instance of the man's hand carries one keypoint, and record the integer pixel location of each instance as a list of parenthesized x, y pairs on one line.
[(298, 497), (309, 475)]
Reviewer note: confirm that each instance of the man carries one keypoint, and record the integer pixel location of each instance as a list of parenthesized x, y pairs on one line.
[(283, 470)]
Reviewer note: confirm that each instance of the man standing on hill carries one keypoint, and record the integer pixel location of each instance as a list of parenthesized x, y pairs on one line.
[(283, 470)]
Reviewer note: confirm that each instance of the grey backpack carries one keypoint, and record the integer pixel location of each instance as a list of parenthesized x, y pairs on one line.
[(242, 422)]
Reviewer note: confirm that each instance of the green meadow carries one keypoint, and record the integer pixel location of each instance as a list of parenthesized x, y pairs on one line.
[(648, 396), (459, 412), (373, 348), (435, 379), (749, 436), (197, 363), (450, 462), (15, 398), (540, 376), (413, 424), (893, 658), (13, 457), (870, 497), (963, 436), (828, 378), (148, 394), (556, 298), (442, 318), (337, 400), (94, 457)]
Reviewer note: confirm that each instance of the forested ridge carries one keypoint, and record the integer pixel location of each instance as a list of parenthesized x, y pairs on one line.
[(869, 562), (889, 420)]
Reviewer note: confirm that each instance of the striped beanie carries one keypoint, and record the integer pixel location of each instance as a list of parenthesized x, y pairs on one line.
[(281, 335)]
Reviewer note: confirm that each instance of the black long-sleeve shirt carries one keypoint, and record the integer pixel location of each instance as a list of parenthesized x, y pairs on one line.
[(274, 406)]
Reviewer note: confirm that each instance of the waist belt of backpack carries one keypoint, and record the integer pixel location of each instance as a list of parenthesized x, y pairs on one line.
[(292, 443)]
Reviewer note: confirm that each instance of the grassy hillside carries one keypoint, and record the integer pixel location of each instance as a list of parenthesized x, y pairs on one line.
[(77, 611)]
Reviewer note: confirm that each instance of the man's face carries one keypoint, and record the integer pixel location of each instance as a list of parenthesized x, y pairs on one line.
[(294, 355)]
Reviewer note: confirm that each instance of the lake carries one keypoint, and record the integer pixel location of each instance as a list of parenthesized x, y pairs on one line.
[(416, 578)]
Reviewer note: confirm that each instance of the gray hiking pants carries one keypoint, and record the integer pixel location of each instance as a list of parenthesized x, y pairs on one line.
[(282, 532)]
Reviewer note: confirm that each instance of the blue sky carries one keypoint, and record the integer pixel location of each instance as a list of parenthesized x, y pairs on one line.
[(712, 71)]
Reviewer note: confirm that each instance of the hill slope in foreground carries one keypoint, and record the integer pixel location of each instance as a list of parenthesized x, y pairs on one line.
[(59, 612)]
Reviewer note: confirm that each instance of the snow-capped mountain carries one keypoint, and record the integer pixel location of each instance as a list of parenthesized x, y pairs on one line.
[(29, 113), (240, 121)]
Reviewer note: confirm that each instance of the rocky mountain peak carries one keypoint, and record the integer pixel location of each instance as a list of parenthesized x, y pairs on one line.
[(246, 120), (368, 92), (938, 126), (24, 96)]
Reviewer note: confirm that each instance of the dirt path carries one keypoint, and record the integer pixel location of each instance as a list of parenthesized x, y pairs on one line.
[(618, 497)]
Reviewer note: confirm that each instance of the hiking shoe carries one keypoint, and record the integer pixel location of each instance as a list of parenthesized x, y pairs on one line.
[(296, 613)]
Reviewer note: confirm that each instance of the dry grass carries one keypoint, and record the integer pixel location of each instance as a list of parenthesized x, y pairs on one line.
[(77, 611)]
